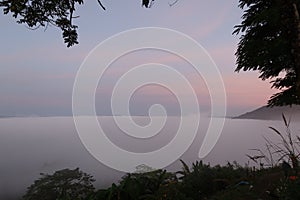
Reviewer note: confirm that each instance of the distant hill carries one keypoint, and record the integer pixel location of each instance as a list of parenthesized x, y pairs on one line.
[(273, 113), (3, 116)]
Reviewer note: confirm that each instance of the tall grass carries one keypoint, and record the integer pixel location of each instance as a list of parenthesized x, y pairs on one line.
[(287, 150)]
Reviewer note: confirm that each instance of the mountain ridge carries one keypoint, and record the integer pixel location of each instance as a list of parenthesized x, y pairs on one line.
[(272, 113)]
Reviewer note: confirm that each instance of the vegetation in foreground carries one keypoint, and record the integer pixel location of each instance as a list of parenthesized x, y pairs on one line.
[(276, 176), (201, 181)]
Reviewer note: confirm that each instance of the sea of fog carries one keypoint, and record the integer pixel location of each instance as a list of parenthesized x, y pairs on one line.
[(30, 146)]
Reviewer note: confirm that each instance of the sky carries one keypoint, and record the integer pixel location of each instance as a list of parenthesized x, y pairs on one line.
[(37, 70)]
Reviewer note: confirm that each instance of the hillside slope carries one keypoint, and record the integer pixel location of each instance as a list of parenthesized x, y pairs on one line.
[(274, 113)]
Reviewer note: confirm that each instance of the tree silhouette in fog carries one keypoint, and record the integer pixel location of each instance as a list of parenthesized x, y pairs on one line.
[(63, 184)]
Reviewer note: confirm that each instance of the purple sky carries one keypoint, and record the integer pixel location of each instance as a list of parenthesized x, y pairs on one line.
[(37, 71)]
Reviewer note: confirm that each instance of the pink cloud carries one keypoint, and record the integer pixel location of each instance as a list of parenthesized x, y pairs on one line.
[(223, 55), (247, 90), (197, 19)]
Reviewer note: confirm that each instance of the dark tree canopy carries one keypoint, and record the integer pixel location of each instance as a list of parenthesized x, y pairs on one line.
[(270, 44), (63, 184), (41, 13)]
